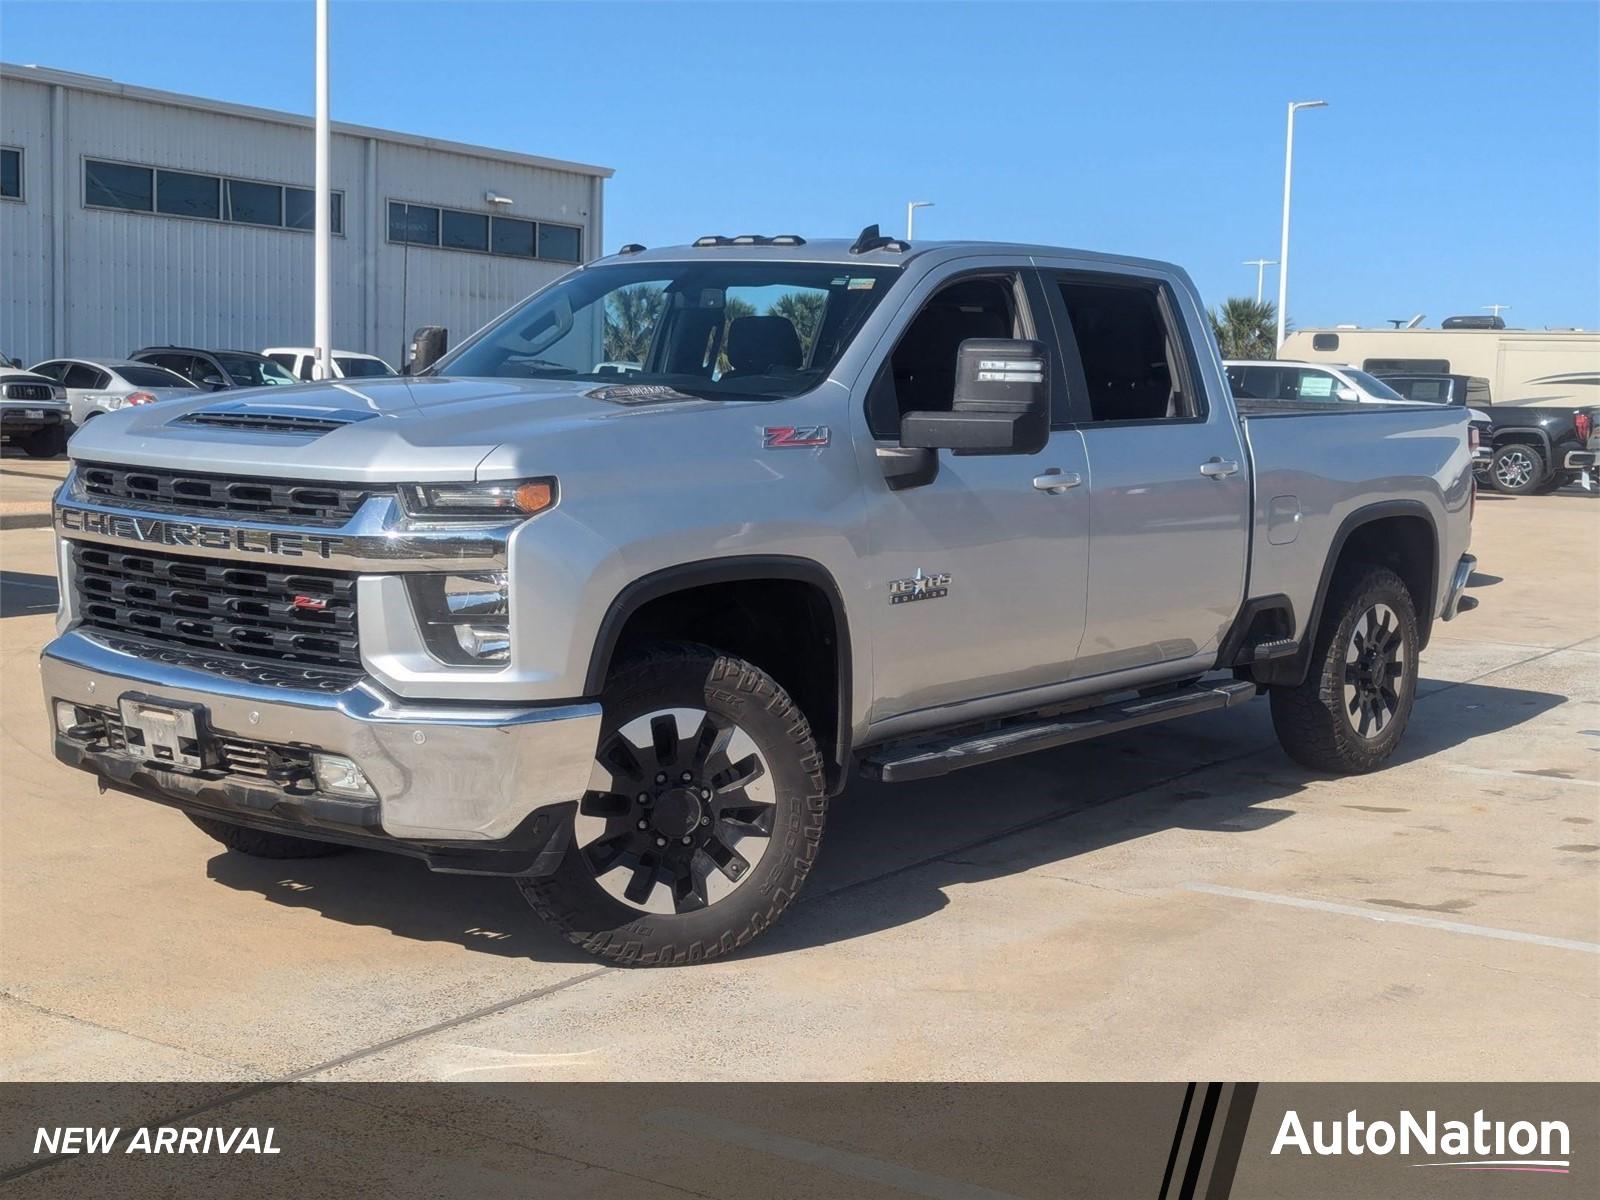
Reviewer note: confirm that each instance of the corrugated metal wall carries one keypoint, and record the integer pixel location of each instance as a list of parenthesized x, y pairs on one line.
[(136, 279)]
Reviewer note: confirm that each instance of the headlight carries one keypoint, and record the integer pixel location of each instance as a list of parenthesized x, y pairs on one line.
[(508, 498), (465, 619)]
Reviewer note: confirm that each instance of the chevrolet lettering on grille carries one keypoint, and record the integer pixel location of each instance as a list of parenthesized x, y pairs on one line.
[(160, 532)]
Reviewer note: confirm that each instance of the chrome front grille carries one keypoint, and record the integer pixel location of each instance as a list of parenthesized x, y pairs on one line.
[(255, 499), (279, 618)]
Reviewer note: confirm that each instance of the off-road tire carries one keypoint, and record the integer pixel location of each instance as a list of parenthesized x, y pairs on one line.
[(258, 843), (689, 675), (1517, 483), (1310, 720)]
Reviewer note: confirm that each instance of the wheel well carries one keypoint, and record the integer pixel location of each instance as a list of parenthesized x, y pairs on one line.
[(1522, 437), (791, 628), (1404, 544)]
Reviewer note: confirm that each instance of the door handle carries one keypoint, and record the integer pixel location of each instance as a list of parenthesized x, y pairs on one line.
[(1219, 468), (1055, 481)]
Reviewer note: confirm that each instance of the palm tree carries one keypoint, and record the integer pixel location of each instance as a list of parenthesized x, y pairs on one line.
[(804, 310), (631, 315), (1245, 328)]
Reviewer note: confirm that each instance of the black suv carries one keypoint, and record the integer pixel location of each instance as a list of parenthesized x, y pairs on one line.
[(217, 369)]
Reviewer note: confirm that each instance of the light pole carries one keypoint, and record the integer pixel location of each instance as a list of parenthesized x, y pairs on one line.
[(911, 211), (1288, 177), (1261, 265), (322, 288)]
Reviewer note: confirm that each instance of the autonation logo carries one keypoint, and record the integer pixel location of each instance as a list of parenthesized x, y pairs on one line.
[(1480, 1144)]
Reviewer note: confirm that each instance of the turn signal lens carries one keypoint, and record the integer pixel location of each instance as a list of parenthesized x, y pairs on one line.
[(510, 498)]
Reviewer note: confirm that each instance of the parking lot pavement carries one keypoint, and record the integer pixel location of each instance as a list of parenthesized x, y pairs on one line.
[(26, 485), (1177, 902)]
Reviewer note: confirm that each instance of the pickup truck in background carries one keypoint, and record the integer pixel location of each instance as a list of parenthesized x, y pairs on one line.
[(34, 412), (855, 507)]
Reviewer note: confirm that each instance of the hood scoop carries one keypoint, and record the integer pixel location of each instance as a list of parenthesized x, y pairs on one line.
[(260, 416)]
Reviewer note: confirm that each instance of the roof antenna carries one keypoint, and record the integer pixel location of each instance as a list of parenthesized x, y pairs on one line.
[(870, 239)]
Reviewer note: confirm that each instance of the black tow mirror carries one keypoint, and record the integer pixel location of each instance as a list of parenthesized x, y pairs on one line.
[(1001, 403), (428, 345)]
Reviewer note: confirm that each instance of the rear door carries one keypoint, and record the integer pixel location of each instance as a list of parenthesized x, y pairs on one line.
[(86, 391), (1169, 484)]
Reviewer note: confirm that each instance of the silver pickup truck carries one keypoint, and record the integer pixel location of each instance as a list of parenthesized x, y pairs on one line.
[(613, 598)]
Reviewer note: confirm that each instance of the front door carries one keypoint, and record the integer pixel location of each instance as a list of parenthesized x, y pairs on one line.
[(1169, 518), (978, 585)]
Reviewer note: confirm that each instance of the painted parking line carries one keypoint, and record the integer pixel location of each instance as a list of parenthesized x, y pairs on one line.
[(1525, 776), (840, 1162), (1388, 918)]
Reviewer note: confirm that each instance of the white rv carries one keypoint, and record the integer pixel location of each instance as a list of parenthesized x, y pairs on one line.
[(1554, 368)]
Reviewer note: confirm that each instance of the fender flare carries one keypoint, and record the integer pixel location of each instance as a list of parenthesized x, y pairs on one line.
[(735, 569), (1292, 671)]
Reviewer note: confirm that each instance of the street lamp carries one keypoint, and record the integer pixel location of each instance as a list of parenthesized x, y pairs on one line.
[(1288, 176), (911, 210), (1261, 265)]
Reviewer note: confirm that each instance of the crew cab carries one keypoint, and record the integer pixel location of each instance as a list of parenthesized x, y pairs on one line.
[(863, 507)]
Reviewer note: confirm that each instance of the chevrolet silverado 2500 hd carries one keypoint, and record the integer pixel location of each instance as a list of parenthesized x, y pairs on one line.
[(620, 635)]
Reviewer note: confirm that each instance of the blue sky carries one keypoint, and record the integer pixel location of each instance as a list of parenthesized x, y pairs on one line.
[(1458, 164)]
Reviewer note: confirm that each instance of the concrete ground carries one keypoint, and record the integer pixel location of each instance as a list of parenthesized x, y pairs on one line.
[(1178, 902), (26, 485)]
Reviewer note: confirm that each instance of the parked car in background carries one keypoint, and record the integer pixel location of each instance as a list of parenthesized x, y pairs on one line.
[(1298, 382), (215, 370), (1461, 391), (101, 385), (33, 412), (1542, 449), (347, 364)]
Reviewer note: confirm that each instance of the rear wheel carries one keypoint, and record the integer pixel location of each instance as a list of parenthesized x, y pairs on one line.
[(703, 818), (1351, 711), (1516, 469), (258, 843)]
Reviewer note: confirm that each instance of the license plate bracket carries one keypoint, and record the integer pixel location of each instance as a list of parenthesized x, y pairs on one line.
[(171, 732)]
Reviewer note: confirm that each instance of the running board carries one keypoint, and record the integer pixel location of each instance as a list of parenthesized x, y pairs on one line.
[(923, 756)]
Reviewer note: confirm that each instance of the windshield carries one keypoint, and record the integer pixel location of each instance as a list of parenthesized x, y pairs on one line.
[(144, 376), (362, 368), (718, 329), (246, 370), (1372, 385)]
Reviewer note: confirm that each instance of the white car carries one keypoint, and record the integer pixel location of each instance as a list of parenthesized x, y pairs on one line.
[(347, 364), (102, 385), (1253, 379)]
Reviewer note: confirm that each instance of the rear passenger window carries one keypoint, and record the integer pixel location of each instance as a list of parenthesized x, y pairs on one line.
[(1133, 361)]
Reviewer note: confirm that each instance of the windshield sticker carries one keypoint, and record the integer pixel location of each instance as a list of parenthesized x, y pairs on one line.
[(862, 283), (1316, 385)]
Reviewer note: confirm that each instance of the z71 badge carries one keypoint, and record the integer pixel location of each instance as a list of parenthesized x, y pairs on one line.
[(783, 437), (920, 586)]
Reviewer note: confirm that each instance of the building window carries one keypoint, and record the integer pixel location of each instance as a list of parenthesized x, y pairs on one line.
[(10, 173), (513, 237), (203, 197), (509, 237), (300, 206), (417, 224), (117, 185), (560, 243), (179, 194), (464, 231), (255, 203)]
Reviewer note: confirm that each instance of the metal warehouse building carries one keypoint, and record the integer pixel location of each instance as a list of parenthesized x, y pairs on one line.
[(131, 217)]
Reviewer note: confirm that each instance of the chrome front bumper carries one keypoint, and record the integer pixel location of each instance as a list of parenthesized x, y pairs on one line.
[(1456, 600), (452, 772)]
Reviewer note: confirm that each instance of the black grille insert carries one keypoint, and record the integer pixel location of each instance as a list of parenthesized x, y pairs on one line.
[(233, 495), (262, 615), (261, 762), (27, 391)]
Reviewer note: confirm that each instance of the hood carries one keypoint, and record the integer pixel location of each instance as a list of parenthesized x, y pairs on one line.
[(396, 429)]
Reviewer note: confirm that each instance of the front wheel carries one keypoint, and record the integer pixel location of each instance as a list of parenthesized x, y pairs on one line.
[(44, 443), (1516, 469), (703, 816), (1349, 714)]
